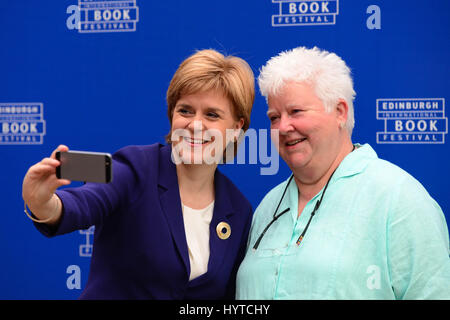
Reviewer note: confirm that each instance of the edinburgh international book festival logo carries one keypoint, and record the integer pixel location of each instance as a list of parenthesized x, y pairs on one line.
[(92, 16), (22, 123), (305, 12), (412, 121)]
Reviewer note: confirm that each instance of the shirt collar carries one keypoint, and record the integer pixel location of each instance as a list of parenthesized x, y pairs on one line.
[(355, 162)]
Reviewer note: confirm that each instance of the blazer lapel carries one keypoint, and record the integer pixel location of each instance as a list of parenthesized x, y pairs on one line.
[(222, 211), (171, 206), (169, 196)]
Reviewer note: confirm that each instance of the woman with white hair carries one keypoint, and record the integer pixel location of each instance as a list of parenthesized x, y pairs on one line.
[(345, 224)]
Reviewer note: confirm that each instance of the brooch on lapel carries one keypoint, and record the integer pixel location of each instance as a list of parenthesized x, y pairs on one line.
[(223, 230)]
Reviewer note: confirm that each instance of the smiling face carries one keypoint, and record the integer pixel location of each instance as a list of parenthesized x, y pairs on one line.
[(199, 126), (309, 137)]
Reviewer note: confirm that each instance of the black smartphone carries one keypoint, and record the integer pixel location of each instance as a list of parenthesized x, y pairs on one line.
[(84, 166)]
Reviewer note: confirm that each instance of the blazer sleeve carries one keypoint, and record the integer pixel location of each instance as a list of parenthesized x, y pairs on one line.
[(91, 203)]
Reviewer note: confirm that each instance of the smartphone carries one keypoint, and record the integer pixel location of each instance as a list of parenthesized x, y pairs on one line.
[(84, 166)]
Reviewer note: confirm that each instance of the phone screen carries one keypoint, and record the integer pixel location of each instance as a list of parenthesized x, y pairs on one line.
[(84, 166)]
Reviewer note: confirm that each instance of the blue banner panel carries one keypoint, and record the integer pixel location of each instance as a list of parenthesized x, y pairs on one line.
[(93, 75)]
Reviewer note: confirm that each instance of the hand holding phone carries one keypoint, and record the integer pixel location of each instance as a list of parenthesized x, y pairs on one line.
[(39, 186), (84, 166)]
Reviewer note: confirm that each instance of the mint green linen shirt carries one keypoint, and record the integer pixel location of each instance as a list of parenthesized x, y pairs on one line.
[(377, 235)]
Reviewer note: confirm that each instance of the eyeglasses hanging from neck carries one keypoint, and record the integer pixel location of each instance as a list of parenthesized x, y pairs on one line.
[(276, 216)]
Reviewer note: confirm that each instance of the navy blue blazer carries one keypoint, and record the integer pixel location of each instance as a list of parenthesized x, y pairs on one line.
[(140, 249)]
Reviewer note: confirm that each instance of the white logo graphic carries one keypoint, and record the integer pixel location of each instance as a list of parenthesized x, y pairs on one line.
[(409, 121), (374, 20), (22, 123), (86, 249), (74, 279), (305, 12), (92, 16)]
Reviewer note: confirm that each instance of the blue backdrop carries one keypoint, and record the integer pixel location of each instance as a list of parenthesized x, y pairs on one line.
[(93, 75)]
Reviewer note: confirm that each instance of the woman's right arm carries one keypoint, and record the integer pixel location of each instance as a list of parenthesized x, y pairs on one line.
[(39, 186)]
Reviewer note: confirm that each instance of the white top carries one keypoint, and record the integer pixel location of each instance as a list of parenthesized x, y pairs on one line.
[(196, 226)]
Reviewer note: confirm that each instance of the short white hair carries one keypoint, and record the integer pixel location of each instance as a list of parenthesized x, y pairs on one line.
[(326, 72)]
